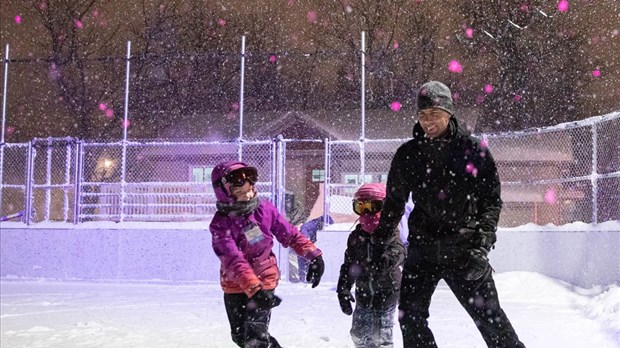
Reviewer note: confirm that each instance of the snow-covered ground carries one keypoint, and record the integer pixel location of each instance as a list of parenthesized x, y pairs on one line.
[(544, 311)]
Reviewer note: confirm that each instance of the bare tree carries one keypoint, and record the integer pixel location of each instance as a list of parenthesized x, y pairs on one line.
[(77, 63), (533, 62)]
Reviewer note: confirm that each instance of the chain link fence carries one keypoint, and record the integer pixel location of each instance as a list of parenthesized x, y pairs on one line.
[(556, 175), (561, 174)]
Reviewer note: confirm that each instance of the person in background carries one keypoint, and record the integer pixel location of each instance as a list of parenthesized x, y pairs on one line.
[(310, 230), (296, 215), (376, 286), (244, 229), (455, 187)]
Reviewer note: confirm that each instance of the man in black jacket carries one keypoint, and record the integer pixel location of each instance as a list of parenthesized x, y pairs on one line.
[(455, 187)]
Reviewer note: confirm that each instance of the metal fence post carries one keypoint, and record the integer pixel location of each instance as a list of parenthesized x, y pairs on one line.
[(326, 182), (29, 182), (4, 90), (594, 175), (77, 182)]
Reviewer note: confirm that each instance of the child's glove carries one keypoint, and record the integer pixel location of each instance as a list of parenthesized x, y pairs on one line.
[(264, 300), (345, 298), (315, 271)]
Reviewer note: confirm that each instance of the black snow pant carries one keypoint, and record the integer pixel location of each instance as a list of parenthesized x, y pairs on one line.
[(248, 326), (426, 264)]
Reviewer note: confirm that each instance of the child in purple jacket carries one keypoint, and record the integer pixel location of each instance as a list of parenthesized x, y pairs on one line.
[(243, 229)]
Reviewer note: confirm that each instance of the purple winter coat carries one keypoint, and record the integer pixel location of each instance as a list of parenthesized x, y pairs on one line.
[(247, 263)]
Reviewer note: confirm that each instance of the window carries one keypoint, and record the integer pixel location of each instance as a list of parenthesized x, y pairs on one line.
[(356, 179), (318, 175), (201, 174)]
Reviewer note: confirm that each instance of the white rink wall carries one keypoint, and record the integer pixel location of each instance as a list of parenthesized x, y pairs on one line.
[(581, 254)]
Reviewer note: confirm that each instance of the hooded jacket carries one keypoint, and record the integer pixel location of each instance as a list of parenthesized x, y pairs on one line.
[(453, 182), (246, 264), (377, 284)]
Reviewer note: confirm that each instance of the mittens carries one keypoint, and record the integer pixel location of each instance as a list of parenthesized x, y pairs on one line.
[(345, 298), (315, 271), (264, 300)]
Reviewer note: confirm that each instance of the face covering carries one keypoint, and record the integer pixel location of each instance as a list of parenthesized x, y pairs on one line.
[(369, 222)]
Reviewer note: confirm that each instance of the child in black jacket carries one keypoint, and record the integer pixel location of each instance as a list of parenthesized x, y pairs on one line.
[(376, 288)]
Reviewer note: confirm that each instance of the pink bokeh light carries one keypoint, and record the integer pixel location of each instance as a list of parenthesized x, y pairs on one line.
[(109, 113), (596, 73), (102, 106), (221, 22), (395, 45), (78, 24), (488, 88), (455, 67), (395, 106), (10, 130), (126, 123), (312, 16), (95, 12), (563, 5), (273, 58), (469, 32), (525, 7), (469, 167), (550, 196), (484, 143), (18, 19), (517, 98)]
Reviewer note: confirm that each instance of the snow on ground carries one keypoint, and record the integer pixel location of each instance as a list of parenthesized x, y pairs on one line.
[(544, 311)]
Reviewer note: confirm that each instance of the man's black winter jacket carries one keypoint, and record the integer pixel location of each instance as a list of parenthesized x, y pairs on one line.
[(453, 181)]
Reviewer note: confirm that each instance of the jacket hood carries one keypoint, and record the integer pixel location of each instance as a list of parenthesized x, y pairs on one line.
[(220, 171)]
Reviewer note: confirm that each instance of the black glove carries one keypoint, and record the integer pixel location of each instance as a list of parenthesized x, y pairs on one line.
[(475, 237), (345, 298), (477, 264), (315, 271), (264, 300)]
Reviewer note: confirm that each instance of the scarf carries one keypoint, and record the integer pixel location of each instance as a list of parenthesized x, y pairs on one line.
[(238, 208)]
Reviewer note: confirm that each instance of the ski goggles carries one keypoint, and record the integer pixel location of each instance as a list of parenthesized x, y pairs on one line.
[(238, 177), (366, 206)]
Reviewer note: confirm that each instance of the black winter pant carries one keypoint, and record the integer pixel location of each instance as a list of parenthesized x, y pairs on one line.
[(424, 267), (248, 325)]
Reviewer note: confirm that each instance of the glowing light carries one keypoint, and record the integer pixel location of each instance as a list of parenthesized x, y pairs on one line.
[(469, 167), (455, 67), (563, 5), (488, 88), (126, 123), (102, 106), (109, 113), (312, 16), (596, 73), (469, 33), (221, 22), (78, 24), (395, 106), (395, 45), (273, 58), (18, 19), (550, 196)]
